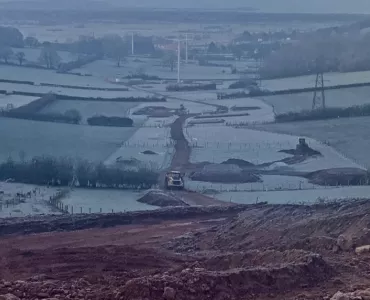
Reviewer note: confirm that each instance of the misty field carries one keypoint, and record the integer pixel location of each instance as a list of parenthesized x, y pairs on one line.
[(88, 109), (350, 136), (154, 67), (334, 98), (34, 138), (308, 81)]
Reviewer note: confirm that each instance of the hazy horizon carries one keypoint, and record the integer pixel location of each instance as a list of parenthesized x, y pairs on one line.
[(281, 6)]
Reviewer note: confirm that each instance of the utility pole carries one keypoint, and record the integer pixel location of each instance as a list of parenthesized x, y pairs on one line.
[(178, 57), (132, 44), (178, 61)]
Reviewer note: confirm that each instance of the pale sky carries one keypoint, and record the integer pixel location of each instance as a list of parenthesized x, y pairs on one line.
[(289, 6)]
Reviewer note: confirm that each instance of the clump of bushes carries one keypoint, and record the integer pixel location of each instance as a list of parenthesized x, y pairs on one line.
[(242, 84), (36, 105), (45, 170), (142, 76), (81, 61), (235, 95), (195, 87), (70, 117), (110, 121), (323, 114)]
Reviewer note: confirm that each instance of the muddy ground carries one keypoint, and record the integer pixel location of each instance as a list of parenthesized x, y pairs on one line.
[(252, 252)]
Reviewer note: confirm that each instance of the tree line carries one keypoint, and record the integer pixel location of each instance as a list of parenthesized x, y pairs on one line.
[(46, 170), (112, 46)]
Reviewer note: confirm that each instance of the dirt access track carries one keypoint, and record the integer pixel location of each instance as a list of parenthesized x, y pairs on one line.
[(225, 253), (180, 161)]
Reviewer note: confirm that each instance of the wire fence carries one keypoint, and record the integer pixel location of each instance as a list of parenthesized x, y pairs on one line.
[(260, 187)]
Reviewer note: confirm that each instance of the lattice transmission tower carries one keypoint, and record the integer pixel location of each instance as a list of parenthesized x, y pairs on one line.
[(318, 101)]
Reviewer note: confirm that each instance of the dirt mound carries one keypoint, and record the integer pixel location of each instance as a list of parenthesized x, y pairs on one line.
[(238, 283), (224, 173), (338, 227), (39, 224), (357, 295), (339, 176), (161, 199), (238, 162), (155, 111), (302, 149), (149, 152)]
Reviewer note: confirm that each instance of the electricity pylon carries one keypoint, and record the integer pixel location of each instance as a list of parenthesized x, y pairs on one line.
[(318, 101)]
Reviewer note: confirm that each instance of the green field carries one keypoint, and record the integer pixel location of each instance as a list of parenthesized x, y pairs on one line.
[(40, 138)]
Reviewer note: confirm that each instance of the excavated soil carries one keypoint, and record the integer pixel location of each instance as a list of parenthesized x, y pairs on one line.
[(162, 199), (253, 252)]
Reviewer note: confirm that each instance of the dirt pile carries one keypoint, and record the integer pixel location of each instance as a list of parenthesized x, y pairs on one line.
[(224, 173), (39, 224), (161, 199), (155, 111), (357, 295), (339, 176), (334, 227), (199, 283), (238, 162)]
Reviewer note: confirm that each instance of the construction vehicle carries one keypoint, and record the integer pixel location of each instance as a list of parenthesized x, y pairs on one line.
[(174, 180)]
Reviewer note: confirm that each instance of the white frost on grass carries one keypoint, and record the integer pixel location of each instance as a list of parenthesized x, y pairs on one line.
[(269, 183), (106, 201), (263, 115), (308, 81), (93, 143), (14, 100), (89, 109), (36, 205), (147, 138), (345, 97), (296, 197), (72, 92), (50, 76), (217, 143)]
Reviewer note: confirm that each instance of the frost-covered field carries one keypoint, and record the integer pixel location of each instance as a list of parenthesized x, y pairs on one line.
[(91, 108), (11, 87), (331, 79), (106, 201), (50, 76), (14, 100), (297, 197), (154, 67), (33, 55), (263, 115), (349, 136), (269, 183), (36, 205), (334, 98), (157, 140), (216, 144), (39, 138)]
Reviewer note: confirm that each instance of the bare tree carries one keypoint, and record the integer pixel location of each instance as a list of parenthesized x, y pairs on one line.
[(20, 56), (49, 57), (6, 53), (169, 60), (31, 42), (114, 47)]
